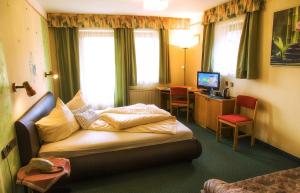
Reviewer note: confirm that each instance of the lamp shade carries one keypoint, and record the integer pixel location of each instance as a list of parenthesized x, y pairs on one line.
[(183, 39), (29, 90)]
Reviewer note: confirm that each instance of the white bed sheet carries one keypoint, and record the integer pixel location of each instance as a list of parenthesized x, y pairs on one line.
[(85, 142)]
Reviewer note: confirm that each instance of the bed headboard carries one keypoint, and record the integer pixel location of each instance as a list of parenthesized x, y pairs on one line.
[(27, 134)]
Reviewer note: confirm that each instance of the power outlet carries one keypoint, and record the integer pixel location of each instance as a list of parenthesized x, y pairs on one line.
[(226, 83), (7, 149)]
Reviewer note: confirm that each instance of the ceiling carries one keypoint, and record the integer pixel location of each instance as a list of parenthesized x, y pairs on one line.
[(177, 8)]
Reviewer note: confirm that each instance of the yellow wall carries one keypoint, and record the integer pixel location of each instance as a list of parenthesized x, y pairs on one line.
[(22, 38), (24, 56), (278, 118)]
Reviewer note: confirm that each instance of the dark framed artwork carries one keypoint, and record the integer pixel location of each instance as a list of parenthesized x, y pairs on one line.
[(286, 38)]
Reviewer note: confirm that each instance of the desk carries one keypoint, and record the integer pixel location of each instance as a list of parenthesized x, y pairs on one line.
[(207, 110), (164, 95)]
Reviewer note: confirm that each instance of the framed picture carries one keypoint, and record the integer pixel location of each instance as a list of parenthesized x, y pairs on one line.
[(286, 38)]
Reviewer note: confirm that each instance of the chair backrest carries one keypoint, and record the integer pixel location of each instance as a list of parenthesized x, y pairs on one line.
[(246, 102), (177, 92)]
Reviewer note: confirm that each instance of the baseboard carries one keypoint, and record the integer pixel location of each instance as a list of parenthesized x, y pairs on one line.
[(281, 152)]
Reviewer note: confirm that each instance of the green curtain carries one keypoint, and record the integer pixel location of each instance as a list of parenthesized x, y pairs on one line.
[(125, 64), (207, 49), (67, 54), (164, 57), (247, 57)]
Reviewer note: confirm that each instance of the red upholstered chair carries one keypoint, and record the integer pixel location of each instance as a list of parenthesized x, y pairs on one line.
[(237, 120), (179, 98)]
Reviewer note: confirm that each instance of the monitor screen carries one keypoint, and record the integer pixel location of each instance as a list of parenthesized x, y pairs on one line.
[(210, 80)]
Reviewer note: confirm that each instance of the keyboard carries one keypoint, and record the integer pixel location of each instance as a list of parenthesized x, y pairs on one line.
[(216, 97)]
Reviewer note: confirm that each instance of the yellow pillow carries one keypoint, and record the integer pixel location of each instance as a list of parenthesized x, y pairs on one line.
[(77, 102), (58, 125)]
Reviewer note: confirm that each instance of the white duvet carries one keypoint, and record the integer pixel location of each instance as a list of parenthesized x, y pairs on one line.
[(139, 118)]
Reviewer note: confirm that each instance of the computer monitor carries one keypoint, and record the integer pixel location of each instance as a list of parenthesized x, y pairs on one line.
[(208, 80)]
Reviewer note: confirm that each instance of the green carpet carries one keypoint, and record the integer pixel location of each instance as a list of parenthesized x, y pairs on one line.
[(217, 161)]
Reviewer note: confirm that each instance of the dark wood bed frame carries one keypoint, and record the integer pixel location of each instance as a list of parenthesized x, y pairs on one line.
[(100, 163)]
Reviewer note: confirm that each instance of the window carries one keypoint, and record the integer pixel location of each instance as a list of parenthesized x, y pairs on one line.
[(97, 66), (147, 56), (226, 45)]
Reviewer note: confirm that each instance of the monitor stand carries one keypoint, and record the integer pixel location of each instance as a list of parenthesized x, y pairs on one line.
[(208, 91)]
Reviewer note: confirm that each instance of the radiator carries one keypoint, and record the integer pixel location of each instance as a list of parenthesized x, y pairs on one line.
[(145, 96)]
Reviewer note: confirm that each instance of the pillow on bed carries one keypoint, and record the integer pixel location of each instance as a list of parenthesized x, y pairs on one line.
[(82, 109), (77, 102), (58, 125), (85, 119)]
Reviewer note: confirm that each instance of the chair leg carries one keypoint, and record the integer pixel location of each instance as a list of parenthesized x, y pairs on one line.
[(218, 131), (252, 135), (187, 114), (235, 138)]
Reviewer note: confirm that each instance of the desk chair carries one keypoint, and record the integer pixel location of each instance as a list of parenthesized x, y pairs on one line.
[(238, 120), (179, 98)]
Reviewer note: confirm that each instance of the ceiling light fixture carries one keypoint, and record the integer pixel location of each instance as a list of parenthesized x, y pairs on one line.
[(156, 5)]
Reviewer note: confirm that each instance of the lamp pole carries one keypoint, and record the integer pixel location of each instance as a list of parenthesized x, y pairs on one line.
[(184, 66)]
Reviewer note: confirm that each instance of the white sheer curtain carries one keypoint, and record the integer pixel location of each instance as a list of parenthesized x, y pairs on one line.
[(226, 45), (97, 66), (147, 56)]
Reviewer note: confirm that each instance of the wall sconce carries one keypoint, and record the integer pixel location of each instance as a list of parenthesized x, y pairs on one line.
[(29, 90), (54, 76)]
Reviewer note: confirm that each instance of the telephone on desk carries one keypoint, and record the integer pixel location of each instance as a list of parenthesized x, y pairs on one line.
[(43, 166)]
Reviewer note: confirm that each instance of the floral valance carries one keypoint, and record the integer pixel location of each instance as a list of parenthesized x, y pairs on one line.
[(230, 9), (115, 21)]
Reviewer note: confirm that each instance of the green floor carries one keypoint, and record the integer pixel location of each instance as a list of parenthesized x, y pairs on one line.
[(217, 161)]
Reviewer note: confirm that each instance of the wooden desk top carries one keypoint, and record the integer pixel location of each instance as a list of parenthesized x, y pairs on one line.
[(166, 88), (215, 98)]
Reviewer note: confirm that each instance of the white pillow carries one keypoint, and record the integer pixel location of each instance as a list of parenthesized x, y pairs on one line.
[(82, 109), (58, 125), (78, 101), (85, 119)]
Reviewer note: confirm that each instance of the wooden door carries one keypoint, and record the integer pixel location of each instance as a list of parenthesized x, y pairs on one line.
[(196, 109), (214, 109), (200, 109)]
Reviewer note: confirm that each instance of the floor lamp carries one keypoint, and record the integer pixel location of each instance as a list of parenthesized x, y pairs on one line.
[(186, 41)]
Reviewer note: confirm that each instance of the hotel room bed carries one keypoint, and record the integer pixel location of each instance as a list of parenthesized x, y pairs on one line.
[(103, 152)]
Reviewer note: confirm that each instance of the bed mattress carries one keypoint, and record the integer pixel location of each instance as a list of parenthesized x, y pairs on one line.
[(86, 142)]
